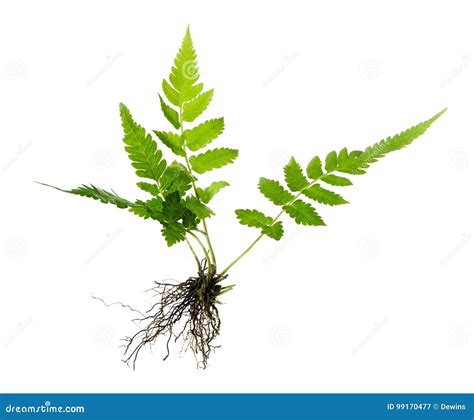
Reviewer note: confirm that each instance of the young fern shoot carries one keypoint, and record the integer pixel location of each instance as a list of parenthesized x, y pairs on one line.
[(188, 310)]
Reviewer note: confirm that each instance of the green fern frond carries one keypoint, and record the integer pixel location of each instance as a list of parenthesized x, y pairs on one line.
[(355, 162), (141, 148)]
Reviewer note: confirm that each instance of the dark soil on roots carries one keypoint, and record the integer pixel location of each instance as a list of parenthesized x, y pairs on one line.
[(184, 312)]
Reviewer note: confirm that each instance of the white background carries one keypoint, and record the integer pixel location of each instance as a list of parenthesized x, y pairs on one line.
[(381, 300)]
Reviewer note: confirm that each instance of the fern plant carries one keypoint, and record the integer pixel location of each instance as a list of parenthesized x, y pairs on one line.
[(188, 310)]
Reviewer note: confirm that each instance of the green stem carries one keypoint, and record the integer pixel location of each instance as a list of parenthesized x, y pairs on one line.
[(226, 289), (274, 220), (204, 225), (188, 166), (204, 250), (194, 253), (247, 250)]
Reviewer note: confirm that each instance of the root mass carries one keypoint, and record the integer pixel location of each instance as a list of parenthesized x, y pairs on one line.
[(185, 311)]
